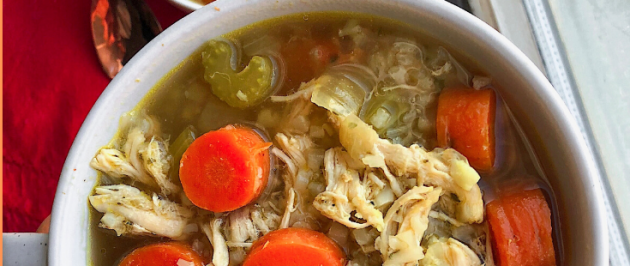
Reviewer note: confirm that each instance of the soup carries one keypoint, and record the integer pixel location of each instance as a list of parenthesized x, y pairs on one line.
[(321, 139)]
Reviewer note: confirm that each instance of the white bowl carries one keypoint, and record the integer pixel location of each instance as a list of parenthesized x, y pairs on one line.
[(546, 121)]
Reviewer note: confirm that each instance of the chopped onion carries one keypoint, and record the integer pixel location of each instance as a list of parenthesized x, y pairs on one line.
[(302, 180), (315, 159), (338, 233), (315, 188), (385, 197), (343, 89), (329, 129), (267, 118), (306, 224), (363, 236), (191, 228), (300, 124), (411, 182), (380, 118), (317, 132), (237, 256), (338, 94)]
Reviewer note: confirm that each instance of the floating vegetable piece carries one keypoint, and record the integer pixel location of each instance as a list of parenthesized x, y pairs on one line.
[(337, 94), (241, 89), (163, 254), (342, 89), (295, 247), (225, 169), (178, 147), (520, 223), (305, 58), (385, 112), (465, 122)]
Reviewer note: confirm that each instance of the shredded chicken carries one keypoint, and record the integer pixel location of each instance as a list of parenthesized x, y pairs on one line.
[(378, 191), (130, 211), (133, 146), (241, 231), (143, 161), (429, 168), (264, 220), (113, 163), (476, 237), (295, 147), (433, 168), (291, 201), (244, 226), (121, 225), (295, 152), (157, 161), (405, 223), (247, 224), (445, 218), (295, 120), (345, 197), (449, 252), (220, 256)]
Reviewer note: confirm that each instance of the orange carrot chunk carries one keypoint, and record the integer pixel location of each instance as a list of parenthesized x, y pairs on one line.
[(520, 225), (295, 247), (465, 122), (307, 58), (163, 254), (225, 169)]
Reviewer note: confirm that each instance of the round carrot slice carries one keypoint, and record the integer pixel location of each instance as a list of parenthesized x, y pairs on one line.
[(295, 247), (225, 169), (163, 254)]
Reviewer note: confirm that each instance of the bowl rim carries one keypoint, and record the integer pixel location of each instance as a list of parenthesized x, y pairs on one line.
[(450, 14)]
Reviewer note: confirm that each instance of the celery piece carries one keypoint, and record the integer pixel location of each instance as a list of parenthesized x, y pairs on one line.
[(241, 89), (177, 149)]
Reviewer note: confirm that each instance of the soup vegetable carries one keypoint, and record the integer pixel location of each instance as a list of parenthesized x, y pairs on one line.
[(321, 140)]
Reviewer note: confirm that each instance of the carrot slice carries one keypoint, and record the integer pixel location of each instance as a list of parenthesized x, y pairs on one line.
[(163, 254), (295, 247), (225, 169), (465, 122), (306, 58), (520, 224)]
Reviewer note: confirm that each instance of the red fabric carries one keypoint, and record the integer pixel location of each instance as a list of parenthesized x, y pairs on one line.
[(52, 78)]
